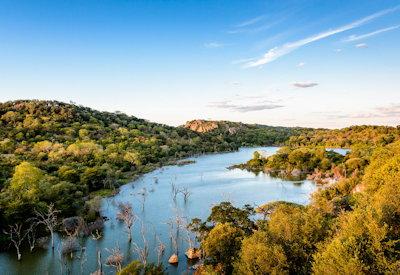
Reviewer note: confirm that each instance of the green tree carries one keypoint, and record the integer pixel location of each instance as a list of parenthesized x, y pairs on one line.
[(258, 256), (24, 184), (222, 245)]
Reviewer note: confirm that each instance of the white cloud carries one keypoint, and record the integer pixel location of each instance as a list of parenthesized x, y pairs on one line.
[(213, 45), (390, 111), (301, 64), (247, 103), (367, 35), (280, 51), (361, 46), (244, 108), (241, 61), (338, 50), (251, 21), (305, 84)]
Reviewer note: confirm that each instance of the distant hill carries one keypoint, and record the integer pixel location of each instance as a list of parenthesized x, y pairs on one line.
[(347, 137), (246, 134)]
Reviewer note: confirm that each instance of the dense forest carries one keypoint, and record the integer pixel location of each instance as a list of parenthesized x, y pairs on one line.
[(69, 155), (57, 160), (351, 226), (347, 137)]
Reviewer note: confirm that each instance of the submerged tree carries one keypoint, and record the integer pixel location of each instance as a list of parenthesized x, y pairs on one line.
[(49, 219), (116, 258), (126, 215), (31, 236), (16, 235), (143, 252)]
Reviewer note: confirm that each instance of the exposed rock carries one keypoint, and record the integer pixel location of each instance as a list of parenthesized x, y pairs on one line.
[(173, 259), (201, 126), (193, 253)]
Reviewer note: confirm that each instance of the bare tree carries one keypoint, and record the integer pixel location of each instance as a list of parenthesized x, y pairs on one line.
[(160, 249), (143, 252), (186, 193), (174, 190), (142, 196), (126, 215), (31, 236), (49, 219), (116, 258), (16, 235)]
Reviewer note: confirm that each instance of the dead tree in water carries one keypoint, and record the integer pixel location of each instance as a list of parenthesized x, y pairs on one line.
[(186, 194), (174, 190), (160, 248), (126, 215), (143, 194), (143, 252), (48, 219), (116, 258), (16, 236), (31, 236)]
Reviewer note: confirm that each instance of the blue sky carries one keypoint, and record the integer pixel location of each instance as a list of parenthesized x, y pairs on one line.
[(293, 63)]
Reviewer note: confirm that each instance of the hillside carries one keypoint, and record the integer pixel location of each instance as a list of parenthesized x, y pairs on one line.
[(67, 154), (347, 137), (246, 134)]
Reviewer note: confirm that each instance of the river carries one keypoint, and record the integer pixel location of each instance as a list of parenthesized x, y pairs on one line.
[(208, 182)]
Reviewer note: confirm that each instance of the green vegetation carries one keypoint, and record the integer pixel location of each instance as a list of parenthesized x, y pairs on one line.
[(137, 268), (348, 137), (316, 163), (53, 152), (57, 160), (246, 134), (350, 227)]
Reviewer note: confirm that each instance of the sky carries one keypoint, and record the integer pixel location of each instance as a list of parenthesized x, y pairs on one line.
[(312, 63)]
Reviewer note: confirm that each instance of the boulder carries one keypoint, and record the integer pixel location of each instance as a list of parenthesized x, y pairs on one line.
[(173, 259), (193, 253)]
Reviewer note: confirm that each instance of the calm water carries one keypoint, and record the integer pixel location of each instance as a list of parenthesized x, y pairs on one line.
[(209, 183)]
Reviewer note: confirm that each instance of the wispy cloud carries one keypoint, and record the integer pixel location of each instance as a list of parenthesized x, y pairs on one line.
[(247, 103), (241, 61), (304, 84), (390, 111), (361, 46), (244, 108), (338, 50), (256, 29), (301, 64), (285, 49), (370, 34), (214, 45), (251, 21)]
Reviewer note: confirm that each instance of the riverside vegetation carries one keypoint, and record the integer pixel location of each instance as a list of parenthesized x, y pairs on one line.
[(351, 226), (58, 159), (68, 156)]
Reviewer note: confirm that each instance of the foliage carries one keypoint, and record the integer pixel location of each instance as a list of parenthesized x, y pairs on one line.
[(258, 256), (222, 245), (347, 137), (67, 154), (350, 227), (137, 268)]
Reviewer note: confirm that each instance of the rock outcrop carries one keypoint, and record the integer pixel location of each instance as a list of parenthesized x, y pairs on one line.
[(201, 126)]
